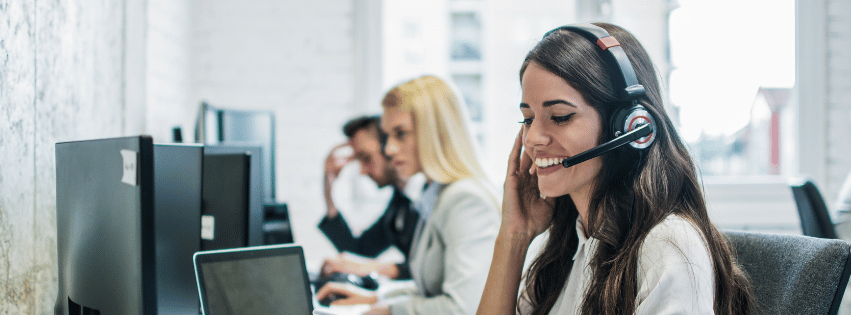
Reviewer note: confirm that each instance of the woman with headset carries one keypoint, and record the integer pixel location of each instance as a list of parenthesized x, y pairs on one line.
[(426, 125), (628, 230)]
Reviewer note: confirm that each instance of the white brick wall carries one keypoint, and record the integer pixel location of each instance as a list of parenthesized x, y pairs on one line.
[(293, 57), (167, 70), (838, 121)]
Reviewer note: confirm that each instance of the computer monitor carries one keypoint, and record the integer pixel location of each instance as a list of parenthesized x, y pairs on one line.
[(255, 214), (241, 127), (226, 207), (128, 223), (276, 225), (177, 217)]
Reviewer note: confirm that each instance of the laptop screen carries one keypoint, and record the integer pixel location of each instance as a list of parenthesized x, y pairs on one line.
[(254, 280)]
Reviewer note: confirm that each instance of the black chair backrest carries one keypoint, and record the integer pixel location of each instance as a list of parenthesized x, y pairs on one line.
[(793, 274), (815, 219)]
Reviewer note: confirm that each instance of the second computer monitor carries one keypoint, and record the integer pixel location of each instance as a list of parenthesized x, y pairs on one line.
[(242, 128), (233, 197)]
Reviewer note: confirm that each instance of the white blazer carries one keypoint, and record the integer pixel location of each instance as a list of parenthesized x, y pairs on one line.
[(451, 256)]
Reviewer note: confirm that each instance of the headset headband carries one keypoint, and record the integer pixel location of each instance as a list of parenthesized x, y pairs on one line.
[(620, 68)]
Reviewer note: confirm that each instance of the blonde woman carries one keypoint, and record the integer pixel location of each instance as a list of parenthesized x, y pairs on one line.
[(427, 132)]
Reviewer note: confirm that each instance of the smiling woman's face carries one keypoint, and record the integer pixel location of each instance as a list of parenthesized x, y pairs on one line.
[(401, 142), (558, 124)]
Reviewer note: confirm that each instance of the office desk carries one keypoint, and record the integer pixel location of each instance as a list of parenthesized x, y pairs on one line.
[(403, 287)]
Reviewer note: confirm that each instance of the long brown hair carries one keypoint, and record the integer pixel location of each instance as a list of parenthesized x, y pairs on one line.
[(634, 191)]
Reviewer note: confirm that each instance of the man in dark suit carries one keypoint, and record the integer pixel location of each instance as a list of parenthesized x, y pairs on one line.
[(394, 228)]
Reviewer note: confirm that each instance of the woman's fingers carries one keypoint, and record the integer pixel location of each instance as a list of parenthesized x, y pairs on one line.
[(334, 265), (345, 294), (526, 163), (332, 288), (326, 267), (514, 157), (354, 299)]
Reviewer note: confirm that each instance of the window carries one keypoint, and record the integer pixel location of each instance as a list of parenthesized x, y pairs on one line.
[(732, 90), (465, 59), (731, 83)]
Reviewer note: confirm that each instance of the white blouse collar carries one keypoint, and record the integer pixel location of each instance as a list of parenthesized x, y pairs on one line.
[(586, 244)]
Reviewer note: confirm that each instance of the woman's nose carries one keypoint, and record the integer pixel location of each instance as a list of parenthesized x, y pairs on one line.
[(535, 135), (391, 148)]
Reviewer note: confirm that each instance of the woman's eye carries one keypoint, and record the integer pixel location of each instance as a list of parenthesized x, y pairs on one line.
[(400, 134), (561, 119), (527, 121)]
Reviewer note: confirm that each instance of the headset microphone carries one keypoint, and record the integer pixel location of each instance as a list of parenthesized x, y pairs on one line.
[(636, 134)]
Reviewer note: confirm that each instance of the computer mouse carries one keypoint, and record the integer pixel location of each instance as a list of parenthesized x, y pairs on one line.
[(331, 298), (369, 282)]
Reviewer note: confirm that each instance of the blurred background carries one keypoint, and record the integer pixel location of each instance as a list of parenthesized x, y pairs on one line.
[(759, 89)]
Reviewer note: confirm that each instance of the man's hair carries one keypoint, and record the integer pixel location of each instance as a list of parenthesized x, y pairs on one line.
[(360, 123)]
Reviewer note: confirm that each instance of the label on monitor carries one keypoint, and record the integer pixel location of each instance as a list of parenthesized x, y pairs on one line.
[(130, 161), (208, 227)]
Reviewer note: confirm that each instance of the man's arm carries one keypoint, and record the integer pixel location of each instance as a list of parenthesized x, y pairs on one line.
[(371, 243)]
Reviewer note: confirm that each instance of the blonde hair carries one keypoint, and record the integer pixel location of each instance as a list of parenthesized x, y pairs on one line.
[(446, 150)]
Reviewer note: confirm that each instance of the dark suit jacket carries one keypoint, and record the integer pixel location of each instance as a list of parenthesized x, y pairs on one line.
[(394, 228)]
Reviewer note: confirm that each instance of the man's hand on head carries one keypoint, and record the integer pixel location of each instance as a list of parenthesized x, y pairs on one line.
[(339, 156)]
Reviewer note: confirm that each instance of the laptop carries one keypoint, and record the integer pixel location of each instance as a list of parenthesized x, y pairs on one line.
[(253, 280)]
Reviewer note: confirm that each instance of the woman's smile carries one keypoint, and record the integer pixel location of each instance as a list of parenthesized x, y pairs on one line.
[(548, 162)]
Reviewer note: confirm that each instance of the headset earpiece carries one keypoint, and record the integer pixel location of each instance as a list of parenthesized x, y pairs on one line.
[(627, 87), (628, 119), (632, 123)]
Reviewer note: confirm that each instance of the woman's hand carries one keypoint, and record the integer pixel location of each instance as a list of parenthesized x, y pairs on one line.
[(345, 294), (378, 310), (346, 263), (353, 264), (524, 215), (524, 212)]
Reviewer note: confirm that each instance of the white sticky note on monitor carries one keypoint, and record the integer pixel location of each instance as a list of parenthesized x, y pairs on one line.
[(130, 161), (208, 227)]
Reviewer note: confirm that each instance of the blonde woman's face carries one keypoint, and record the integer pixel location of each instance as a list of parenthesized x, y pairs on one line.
[(401, 142), (558, 124)]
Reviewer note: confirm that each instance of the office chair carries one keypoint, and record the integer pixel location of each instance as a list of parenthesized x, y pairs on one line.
[(793, 274), (815, 219)]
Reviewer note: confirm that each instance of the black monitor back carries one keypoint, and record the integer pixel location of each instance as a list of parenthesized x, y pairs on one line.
[(245, 128), (177, 213), (127, 226), (255, 186), (104, 215), (276, 225), (226, 191)]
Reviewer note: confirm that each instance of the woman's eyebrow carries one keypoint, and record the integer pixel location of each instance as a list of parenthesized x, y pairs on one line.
[(553, 102), (550, 103)]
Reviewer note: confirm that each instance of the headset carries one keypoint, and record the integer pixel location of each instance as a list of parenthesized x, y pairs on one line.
[(632, 124)]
